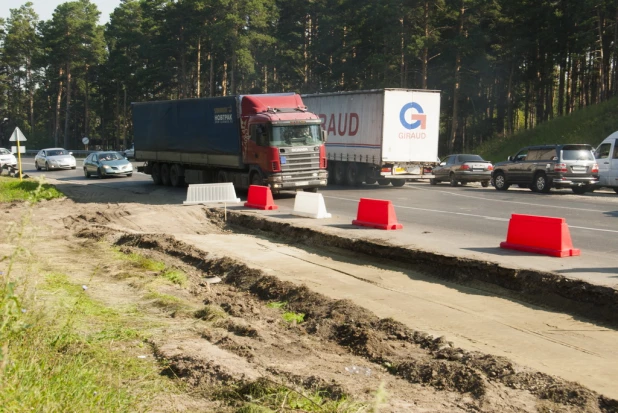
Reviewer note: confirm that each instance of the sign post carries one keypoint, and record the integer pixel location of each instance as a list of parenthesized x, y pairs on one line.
[(18, 136), (85, 141)]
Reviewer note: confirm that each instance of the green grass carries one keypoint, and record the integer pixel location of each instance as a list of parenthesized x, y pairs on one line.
[(588, 125), (175, 276), (78, 356), (12, 189)]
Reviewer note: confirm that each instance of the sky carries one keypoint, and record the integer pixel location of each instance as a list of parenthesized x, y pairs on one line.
[(45, 8)]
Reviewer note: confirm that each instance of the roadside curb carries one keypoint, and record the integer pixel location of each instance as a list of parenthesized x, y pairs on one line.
[(576, 297)]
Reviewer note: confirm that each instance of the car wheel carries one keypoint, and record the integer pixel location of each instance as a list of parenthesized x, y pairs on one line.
[(484, 184), (222, 176), (36, 165), (452, 179), (432, 181), (46, 166), (129, 175), (541, 184), (579, 190), (100, 173), (86, 173), (500, 182)]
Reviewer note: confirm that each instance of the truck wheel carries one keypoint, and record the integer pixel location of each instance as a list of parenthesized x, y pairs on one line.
[(339, 175), (155, 174), (484, 184), (353, 175), (256, 179), (432, 181), (500, 182), (384, 182), (370, 181), (452, 179), (165, 174), (314, 190), (541, 184), (177, 179), (221, 176), (398, 182)]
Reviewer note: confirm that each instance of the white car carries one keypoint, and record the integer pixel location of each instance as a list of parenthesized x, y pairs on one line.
[(7, 158), (130, 153), (54, 158)]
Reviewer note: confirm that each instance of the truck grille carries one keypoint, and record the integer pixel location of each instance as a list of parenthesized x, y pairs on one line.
[(300, 161)]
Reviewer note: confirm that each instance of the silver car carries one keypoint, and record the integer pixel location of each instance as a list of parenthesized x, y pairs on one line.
[(54, 158), (104, 164), (463, 168)]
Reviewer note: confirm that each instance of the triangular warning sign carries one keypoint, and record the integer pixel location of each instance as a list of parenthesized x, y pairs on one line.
[(17, 136)]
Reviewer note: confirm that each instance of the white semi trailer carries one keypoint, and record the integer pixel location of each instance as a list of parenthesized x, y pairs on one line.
[(385, 135)]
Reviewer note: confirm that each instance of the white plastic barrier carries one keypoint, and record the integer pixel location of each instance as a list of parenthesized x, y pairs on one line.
[(311, 205), (205, 193)]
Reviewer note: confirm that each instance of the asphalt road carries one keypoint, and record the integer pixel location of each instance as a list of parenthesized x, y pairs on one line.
[(466, 221)]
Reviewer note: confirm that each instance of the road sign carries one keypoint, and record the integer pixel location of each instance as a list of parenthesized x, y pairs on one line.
[(20, 149), (85, 140), (17, 136)]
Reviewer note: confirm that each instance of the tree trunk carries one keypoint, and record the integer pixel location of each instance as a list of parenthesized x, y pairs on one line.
[(67, 117), (602, 82), (199, 65), (211, 79), (425, 55), (87, 106), (224, 80), (58, 103), (456, 87), (124, 119)]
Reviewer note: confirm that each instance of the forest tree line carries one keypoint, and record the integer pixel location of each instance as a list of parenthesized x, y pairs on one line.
[(501, 65)]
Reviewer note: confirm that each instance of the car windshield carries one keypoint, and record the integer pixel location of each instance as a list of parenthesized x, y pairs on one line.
[(468, 158), (577, 154), (110, 156), (56, 152), (4, 151), (296, 135)]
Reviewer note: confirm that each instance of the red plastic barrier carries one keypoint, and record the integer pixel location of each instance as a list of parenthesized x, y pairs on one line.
[(541, 235), (260, 197), (376, 213)]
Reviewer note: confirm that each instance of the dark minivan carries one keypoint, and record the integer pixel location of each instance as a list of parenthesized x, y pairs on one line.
[(543, 167)]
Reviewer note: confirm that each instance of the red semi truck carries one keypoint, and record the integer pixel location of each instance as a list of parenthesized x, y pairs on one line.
[(268, 139)]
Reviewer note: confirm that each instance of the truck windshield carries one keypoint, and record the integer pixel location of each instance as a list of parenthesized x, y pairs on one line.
[(296, 135)]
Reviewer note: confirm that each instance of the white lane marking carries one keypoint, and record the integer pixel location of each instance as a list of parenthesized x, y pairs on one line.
[(500, 200), (471, 215)]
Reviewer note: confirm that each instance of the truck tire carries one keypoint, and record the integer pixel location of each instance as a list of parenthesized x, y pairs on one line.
[(314, 190), (339, 175), (165, 174), (384, 182), (353, 174), (221, 176), (484, 184), (155, 174), (256, 179), (370, 181), (177, 178), (398, 182)]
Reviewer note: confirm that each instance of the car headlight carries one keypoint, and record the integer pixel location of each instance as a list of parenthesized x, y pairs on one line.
[(106, 167)]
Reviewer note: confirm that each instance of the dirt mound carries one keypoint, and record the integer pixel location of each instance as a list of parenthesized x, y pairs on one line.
[(384, 344)]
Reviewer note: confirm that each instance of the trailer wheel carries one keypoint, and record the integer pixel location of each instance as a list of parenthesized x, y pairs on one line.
[(353, 174), (314, 190), (339, 175), (398, 182), (370, 181), (155, 174), (165, 174), (384, 182), (176, 176)]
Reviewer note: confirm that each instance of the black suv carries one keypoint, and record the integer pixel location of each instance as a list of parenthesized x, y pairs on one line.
[(543, 167)]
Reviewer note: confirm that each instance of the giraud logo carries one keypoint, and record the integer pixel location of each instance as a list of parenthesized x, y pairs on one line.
[(418, 120)]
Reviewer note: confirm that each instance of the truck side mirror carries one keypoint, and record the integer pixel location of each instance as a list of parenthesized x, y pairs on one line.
[(323, 136)]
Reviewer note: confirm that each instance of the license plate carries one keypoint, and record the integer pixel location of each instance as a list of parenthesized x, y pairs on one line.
[(303, 183), (578, 169)]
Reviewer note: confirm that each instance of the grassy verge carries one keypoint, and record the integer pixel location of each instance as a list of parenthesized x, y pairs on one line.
[(32, 190)]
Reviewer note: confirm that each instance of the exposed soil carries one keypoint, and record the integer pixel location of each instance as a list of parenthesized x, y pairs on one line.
[(225, 336)]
